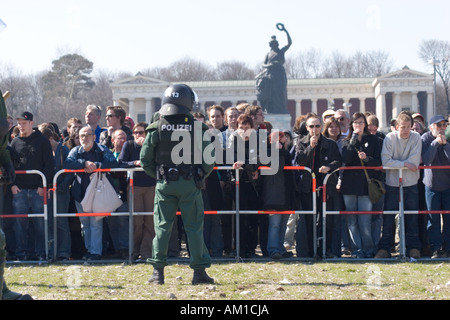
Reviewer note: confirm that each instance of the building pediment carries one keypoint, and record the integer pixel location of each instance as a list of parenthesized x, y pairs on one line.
[(405, 73), (139, 79)]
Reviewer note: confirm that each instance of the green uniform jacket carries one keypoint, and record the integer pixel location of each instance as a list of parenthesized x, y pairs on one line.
[(148, 155), (4, 153)]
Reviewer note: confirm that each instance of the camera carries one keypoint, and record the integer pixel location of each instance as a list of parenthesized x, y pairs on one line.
[(354, 139)]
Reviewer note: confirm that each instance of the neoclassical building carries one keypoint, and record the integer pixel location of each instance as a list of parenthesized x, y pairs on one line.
[(385, 96)]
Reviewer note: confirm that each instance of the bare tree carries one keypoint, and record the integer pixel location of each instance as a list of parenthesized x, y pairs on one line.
[(25, 91), (312, 63), (439, 50), (337, 66), (376, 63), (359, 65), (101, 93), (188, 69), (304, 64), (233, 70), (155, 72)]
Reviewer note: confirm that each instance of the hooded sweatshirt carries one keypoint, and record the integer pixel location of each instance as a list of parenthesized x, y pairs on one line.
[(35, 153)]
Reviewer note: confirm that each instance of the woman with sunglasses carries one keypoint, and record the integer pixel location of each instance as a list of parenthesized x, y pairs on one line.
[(143, 194), (359, 145)]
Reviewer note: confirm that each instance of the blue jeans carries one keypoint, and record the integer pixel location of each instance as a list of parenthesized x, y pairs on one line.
[(410, 202), (119, 228), (276, 233), (360, 225), (377, 221), (64, 239), (333, 225), (92, 228), (438, 200), (29, 241), (212, 232), (304, 234)]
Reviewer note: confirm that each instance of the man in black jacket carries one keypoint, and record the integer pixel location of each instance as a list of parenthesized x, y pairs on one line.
[(322, 156), (35, 153)]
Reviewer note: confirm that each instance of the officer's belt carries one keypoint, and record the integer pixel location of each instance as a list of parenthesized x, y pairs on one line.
[(173, 173)]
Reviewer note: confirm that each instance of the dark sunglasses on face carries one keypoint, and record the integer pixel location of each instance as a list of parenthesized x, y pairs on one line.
[(441, 124)]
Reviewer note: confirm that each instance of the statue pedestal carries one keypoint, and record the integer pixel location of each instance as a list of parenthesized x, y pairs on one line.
[(279, 121)]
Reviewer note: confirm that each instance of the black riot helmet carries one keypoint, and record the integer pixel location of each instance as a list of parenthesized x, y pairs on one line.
[(178, 99)]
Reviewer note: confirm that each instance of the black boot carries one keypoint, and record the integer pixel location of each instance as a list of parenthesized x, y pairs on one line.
[(157, 276), (200, 277)]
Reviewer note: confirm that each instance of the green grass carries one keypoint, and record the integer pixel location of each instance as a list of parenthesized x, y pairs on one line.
[(293, 280)]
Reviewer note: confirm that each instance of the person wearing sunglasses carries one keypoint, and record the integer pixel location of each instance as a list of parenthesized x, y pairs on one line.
[(359, 146), (322, 156), (115, 118)]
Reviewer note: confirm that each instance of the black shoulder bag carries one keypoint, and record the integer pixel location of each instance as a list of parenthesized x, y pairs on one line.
[(376, 188)]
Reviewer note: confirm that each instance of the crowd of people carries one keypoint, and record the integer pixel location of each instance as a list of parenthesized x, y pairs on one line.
[(324, 143)]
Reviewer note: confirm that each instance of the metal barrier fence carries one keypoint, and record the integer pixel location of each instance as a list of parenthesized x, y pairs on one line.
[(131, 211), (43, 215), (401, 212)]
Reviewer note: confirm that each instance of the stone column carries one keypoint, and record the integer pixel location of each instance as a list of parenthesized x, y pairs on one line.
[(131, 110), (362, 105), (381, 110), (396, 106), (314, 105), (149, 109), (298, 108), (414, 102)]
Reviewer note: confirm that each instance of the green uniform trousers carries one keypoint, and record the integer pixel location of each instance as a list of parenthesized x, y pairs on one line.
[(169, 197), (5, 293), (2, 261)]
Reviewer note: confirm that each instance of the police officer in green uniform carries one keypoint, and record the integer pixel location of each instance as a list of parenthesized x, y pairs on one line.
[(179, 179), (7, 175)]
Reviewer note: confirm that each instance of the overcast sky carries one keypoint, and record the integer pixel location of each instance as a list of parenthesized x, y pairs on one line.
[(134, 35)]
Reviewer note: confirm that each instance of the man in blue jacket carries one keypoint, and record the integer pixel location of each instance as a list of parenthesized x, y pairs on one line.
[(89, 156), (436, 152)]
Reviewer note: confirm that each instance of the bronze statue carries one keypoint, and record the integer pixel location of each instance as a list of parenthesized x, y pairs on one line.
[(271, 82)]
